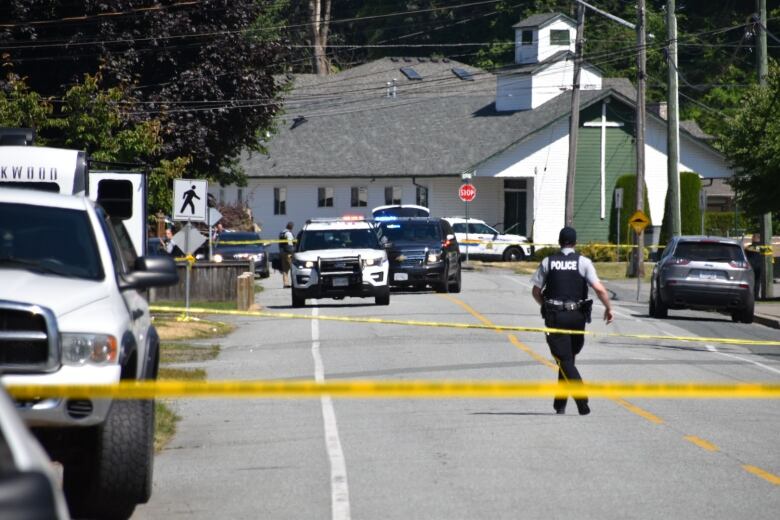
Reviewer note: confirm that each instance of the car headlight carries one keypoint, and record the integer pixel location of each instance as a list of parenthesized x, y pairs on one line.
[(371, 261), (434, 257), (259, 257), (93, 349), (303, 264)]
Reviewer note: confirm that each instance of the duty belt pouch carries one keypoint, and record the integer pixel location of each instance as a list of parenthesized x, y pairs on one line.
[(549, 313), (587, 309)]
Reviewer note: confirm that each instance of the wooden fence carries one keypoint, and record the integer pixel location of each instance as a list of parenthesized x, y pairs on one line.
[(209, 281)]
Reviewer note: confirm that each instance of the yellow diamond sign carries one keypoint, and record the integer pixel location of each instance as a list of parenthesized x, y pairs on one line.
[(638, 221)]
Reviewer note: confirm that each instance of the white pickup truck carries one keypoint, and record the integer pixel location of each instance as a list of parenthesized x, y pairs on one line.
[(72, 312)]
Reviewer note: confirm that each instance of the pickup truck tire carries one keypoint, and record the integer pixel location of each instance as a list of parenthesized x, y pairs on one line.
[(115, 473), (383, 298)]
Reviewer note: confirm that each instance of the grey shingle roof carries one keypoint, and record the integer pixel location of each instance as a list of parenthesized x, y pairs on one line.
[(541, 19), (440, 126)]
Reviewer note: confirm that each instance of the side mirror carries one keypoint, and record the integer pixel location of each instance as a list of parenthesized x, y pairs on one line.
[(151, 271)]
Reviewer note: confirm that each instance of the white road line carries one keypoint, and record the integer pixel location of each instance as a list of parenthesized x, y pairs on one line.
[(338, 467), (714, 349)]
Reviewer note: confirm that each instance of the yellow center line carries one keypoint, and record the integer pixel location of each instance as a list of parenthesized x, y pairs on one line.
[(639, 411), (769, 477), (701, 443)]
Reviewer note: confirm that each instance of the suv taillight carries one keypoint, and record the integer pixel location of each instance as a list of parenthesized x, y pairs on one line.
[(680, 261), (739, 264)]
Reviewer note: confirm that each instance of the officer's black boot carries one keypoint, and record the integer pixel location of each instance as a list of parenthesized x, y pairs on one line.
[(582, 406), (560, 405)]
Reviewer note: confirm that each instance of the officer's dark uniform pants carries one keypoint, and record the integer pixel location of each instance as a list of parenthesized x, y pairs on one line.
[(564, 348)]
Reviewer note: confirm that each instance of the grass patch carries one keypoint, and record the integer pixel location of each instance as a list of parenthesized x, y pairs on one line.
[(215, 306), (185, 374), (165, 424), (170, 328), (184, 353), (605, 270)]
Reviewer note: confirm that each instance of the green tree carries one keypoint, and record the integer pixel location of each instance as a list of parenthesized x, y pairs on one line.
[(198, 68), (752, 146), (690, 214)]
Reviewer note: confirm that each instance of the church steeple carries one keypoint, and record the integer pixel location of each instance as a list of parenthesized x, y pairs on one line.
[(540, 36)]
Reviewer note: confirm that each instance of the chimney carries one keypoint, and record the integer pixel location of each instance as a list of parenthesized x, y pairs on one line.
[(659, 109)]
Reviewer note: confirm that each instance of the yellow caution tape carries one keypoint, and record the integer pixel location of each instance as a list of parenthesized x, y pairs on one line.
[(394, 389), (509, 328)]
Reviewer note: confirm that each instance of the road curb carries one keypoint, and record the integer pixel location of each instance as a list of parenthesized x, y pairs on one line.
[(767, 321)]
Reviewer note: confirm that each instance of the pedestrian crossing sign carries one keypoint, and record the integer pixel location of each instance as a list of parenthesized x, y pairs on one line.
[(189, 199), (638, 221)]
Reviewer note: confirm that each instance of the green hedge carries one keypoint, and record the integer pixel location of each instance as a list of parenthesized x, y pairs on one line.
[(596, 252), (690, 215), (628, 183), (721, 223)]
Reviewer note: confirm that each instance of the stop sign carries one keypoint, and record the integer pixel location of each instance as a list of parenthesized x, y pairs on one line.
[(467, 192)]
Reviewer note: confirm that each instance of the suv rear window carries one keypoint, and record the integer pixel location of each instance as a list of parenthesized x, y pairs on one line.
[(709, 252)]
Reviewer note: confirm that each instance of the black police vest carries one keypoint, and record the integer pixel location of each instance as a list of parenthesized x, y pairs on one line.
[(564, 281)]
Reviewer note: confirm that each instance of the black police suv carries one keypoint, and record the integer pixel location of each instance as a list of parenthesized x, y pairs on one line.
[(422, 251)]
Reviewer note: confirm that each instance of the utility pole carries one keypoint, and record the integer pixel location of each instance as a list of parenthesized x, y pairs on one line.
[(641, 59), (673, 122), (766, 220), (574, 121)]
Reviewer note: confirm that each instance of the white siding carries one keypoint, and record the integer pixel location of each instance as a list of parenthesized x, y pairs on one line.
[(694, 157), (524, 92), (545, 49), (526, 53), (543, 159)]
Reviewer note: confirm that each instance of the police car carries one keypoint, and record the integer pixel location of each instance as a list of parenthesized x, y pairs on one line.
[(336, 258), (483, 241)]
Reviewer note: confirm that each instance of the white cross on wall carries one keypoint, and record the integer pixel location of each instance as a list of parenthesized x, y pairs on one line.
[(603, 124)]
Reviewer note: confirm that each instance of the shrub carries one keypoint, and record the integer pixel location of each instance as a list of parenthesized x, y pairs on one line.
[(690, 215)]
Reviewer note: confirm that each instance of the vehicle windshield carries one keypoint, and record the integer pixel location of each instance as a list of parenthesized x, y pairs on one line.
[(709, 252), (48, 240), (410, 231), (361, 238)]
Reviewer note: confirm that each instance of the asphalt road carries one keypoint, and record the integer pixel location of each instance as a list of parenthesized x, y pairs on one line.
[(459, 458)]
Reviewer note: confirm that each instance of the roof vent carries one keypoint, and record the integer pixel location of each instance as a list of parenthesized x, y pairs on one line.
[(462, 74), (422, 60), (410, 73), (394, 59), (408, 60)]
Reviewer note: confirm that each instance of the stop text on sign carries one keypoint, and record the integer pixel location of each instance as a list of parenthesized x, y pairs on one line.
[(467, 192)]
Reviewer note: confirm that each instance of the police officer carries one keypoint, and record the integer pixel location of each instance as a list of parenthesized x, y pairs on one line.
[(561, 289), (286, 248)]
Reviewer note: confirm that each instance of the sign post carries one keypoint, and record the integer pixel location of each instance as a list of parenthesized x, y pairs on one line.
[(467, 192), (618, 207), (189, 204), (638, 223)]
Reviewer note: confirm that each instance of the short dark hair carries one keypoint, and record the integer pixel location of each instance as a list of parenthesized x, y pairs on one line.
[(290, 225)]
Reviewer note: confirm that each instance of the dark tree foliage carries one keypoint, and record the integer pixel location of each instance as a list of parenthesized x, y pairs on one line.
[(199, 67)]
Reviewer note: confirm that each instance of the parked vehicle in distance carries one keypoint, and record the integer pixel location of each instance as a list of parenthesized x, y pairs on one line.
[(29, 486), (483, 241), (697, 272), (399, 210), (243, 246), (421, 252), (335, 258)]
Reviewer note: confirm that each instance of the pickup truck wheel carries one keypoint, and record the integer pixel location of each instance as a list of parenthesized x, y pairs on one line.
[(297, 300), (115, 472), (444, 287)]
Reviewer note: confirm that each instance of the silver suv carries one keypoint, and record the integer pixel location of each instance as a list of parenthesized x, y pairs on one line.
[(703, 273)]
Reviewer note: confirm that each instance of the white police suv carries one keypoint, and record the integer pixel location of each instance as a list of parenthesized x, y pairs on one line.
[(335, 258), (483, 241)]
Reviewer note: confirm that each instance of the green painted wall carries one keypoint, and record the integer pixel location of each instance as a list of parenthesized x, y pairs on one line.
[(620, 159)]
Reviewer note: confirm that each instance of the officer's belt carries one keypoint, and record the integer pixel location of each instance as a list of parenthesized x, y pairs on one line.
[(560, 305)]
